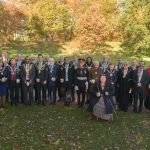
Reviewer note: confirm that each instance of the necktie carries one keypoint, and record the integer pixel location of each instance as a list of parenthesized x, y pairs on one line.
[(66, 73)]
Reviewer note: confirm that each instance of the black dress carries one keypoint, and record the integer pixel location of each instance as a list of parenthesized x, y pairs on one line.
[(124, 82)]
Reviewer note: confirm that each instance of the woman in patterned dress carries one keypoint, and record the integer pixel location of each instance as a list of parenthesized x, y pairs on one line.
[(101, 103)]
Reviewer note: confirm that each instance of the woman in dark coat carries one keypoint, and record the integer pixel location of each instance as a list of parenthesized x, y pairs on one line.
[(101, 104), (124, 84), (3, 85)]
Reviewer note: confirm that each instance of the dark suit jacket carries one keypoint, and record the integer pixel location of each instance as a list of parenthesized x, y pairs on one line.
[(53, 74), (144, 79), (31, 73), (70, 73), (9, 73), (43, 74)]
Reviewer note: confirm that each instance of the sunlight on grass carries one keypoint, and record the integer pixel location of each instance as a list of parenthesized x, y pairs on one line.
[(57, 49)]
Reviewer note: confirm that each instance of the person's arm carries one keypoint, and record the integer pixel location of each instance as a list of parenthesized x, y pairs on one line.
[(87, 75), (95, 91), (109, 90), (46, 73)]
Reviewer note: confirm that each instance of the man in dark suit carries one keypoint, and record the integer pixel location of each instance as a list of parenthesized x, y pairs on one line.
[(41, 71), (19, 62), (67, 81), (53, 73), (27, 73), (140, 80), (59, 64), (13, 81)]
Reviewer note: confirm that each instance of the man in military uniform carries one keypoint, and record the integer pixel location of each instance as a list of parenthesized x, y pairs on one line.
[(67, 81), (27, 74), (81, 82), (41, 70)]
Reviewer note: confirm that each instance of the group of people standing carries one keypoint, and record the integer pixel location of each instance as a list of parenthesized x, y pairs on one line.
[(103, 86)]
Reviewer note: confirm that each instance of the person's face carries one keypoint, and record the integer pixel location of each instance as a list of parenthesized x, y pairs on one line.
[(19, 57), (61, 58), (103, 79), (125, 66), (134, 63), (119, 61), (89, 60), (46, 57), (105, 58), (81, 64), (33, 59), (51, 61), (141, 65), (40, 58), (111, 67), (13, 62), (27, 60), (4, 55), (96, 65), (66, 60)]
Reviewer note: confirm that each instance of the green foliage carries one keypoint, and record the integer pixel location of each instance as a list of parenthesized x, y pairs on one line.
[(49, 19), (136, 26)]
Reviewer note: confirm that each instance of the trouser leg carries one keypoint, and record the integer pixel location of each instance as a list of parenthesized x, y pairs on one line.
[(30, 94), (141, 100), (43, 94)]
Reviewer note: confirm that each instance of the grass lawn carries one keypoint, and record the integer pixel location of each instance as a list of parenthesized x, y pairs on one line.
[(68, 128)]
